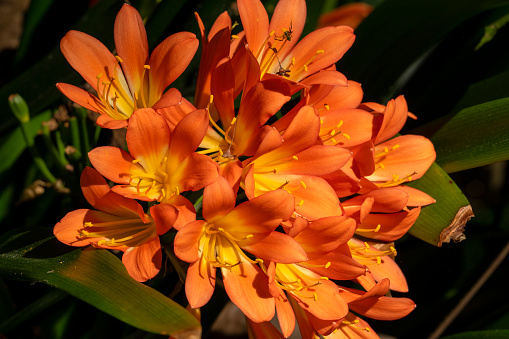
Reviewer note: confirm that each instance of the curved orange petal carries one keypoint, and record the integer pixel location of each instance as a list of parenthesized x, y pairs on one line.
[(99, 195), (326, 234), (351, 14), (187, 135), (261, 214), (82, 97), (67, 229), (389, 269), (170, 98), (255, 23), (247, 287), (392, 226), (200, 283), (218, 199), (165, 216), (222, 87), (317, 200), (318, 50), (186, 211), (169, 60), (408, 156), (394, 118), (337, 97), (147, 138), (276, 247), (88, 56), (232, 171), (112, 162), (343, 184), (187, 241), (132, 46), (348, 127), (353, 327), (195, 172), (388, 200), (174, 114), (105, 121), (342, 265), (331, 78), (262, 101), (416, 197), (383, 308), (144, 262), (285, 314), (315, 160), (288, 13)]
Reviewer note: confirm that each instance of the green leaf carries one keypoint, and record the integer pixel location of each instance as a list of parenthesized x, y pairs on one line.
[(386, 40), (476, 136), (94, 276), (13, 144), (490, 334), (444, 220)]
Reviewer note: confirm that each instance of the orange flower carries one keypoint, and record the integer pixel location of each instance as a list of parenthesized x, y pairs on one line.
[(120, 223), (222, 240), (131, 79), (275, 45), (294, 162), (161, 164)]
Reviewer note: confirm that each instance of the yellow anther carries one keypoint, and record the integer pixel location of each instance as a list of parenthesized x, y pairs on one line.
[(146, 66), (378, 260), (395, 146), (272, 33), (112, 241), (135, 161), (395, 177), (233, 120), (235, 36), (119, 58), (99, 76), (366, 246), (382, 166), (315, 297), (101, 242), (320, 51), (305, 68), (88, 224), (321, 121), (333, 140), (340, 124), (211, 98), (177, 191), (393, 250), (294, 157), (249, 236), (300, 203), (85, 233), (327, 265), (378, 228), (136, 96), (293, 61), (333, 133), (386, 150), (409, 178), (303, 184), (346, 136), (327, 107)]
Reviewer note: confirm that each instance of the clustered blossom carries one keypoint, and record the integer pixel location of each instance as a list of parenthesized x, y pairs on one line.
[(323, 184)]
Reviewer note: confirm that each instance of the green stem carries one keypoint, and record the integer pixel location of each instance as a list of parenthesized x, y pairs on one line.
[(38, 160), (54, 152)]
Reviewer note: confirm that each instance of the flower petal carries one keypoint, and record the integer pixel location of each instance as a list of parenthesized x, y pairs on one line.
[(218, 199), (88, 56), (112, 162), (165, 216), (132, 46), (200, 283), (255, 22), (276, 247), (247, 287), (187, 241), (147, 138), (144, 262)]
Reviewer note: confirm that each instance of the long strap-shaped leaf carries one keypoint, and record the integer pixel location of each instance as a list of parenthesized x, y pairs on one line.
[(94, 276), (445, 220), (475, 136)]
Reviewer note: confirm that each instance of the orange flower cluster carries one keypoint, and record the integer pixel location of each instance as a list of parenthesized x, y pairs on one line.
[(294, 205)]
